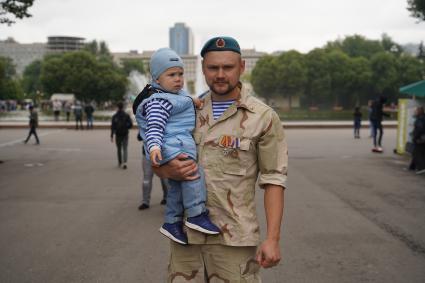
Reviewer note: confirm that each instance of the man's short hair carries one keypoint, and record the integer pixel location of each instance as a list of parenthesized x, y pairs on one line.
[(120, 105)]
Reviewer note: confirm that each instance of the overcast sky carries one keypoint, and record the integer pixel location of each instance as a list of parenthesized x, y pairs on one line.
[(265, 25)]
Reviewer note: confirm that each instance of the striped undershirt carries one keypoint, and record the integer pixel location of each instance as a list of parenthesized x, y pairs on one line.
[(157, 111), (219, 107)]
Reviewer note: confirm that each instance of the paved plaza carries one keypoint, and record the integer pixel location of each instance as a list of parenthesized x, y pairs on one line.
[(69, 214)]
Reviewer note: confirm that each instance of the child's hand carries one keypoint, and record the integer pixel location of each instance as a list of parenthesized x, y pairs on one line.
[(199, 103), (156, 156)]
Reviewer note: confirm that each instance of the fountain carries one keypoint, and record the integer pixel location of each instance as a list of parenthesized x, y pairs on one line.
[(137, 83), (200, 86)]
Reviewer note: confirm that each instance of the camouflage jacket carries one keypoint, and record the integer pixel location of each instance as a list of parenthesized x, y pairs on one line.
[(245, 145)]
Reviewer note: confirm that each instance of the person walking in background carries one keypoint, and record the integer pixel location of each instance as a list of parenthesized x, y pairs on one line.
[(88, 110), (57, 107), (357, 122), (418, 137), (120, 125), (147, 182), (68, 108), (369, 111), (376, 117), (33, 125), (78, 114)]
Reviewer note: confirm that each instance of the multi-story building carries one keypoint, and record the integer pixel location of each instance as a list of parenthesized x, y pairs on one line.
[(181, 39), (22, 54), (251, 56), (64, 43), (189, 61)]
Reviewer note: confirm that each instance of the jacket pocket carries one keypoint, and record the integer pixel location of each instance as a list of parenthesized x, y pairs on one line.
[(235, 161)]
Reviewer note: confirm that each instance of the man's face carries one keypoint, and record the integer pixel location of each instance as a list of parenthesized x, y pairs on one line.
[(172, 79), (222, 71)]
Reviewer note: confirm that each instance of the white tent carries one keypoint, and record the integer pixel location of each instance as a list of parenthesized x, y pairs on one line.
[(63, 97)]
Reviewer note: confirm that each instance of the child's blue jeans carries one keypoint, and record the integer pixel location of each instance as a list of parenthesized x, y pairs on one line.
[(185, 196)]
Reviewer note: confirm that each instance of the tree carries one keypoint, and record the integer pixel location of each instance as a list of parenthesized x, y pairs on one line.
[(15, 8), (356, 45), (421, 51), (133, 65), (384, 74), (31, 82), (84, 75), (291, 75), (99, 49), (319, 79), (359, 82), (9, 86), (339, 70), (416, 9), (263, 77), (390, 45), (409, 70)]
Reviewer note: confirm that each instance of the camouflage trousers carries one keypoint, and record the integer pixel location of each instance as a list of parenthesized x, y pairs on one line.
[(212, 264)]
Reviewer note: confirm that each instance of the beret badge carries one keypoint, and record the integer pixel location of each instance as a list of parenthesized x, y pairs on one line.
[(220, 43)]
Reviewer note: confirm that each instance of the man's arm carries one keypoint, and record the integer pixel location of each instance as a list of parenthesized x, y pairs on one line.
[(180, 168), (112, 128), (268, 254), (273, 164)]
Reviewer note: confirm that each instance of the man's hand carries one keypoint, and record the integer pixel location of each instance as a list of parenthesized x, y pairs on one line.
[(180, 168), (156, 157), (268, 254)]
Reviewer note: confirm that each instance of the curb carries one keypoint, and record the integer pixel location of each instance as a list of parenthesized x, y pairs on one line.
[(286, 125)]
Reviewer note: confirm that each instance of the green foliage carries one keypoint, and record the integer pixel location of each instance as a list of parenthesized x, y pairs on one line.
[(14, 8), (359, 82), (339, 70), (291, 74), (356, 45), (319, 79), (416, 8), (9, 86), (133, 65), (389, 45), (421, 51), (31, 82), (263, 77), (99, 49), (409, 70), (384, 69), (84, 75), (345, 73)]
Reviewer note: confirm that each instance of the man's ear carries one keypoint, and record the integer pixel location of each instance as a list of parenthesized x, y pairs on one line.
[(242, 66), (202, 66)]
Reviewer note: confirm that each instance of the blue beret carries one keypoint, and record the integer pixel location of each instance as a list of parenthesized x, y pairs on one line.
[(221, 43)]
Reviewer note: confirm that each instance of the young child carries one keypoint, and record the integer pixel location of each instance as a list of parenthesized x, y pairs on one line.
[(357, 122), (166, 118)]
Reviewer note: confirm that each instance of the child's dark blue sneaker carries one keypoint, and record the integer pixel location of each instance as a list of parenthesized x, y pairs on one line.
[(174, 231), (202, 223)]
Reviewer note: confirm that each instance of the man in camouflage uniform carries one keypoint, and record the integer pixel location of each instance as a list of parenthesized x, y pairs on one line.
[(244, 145)]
